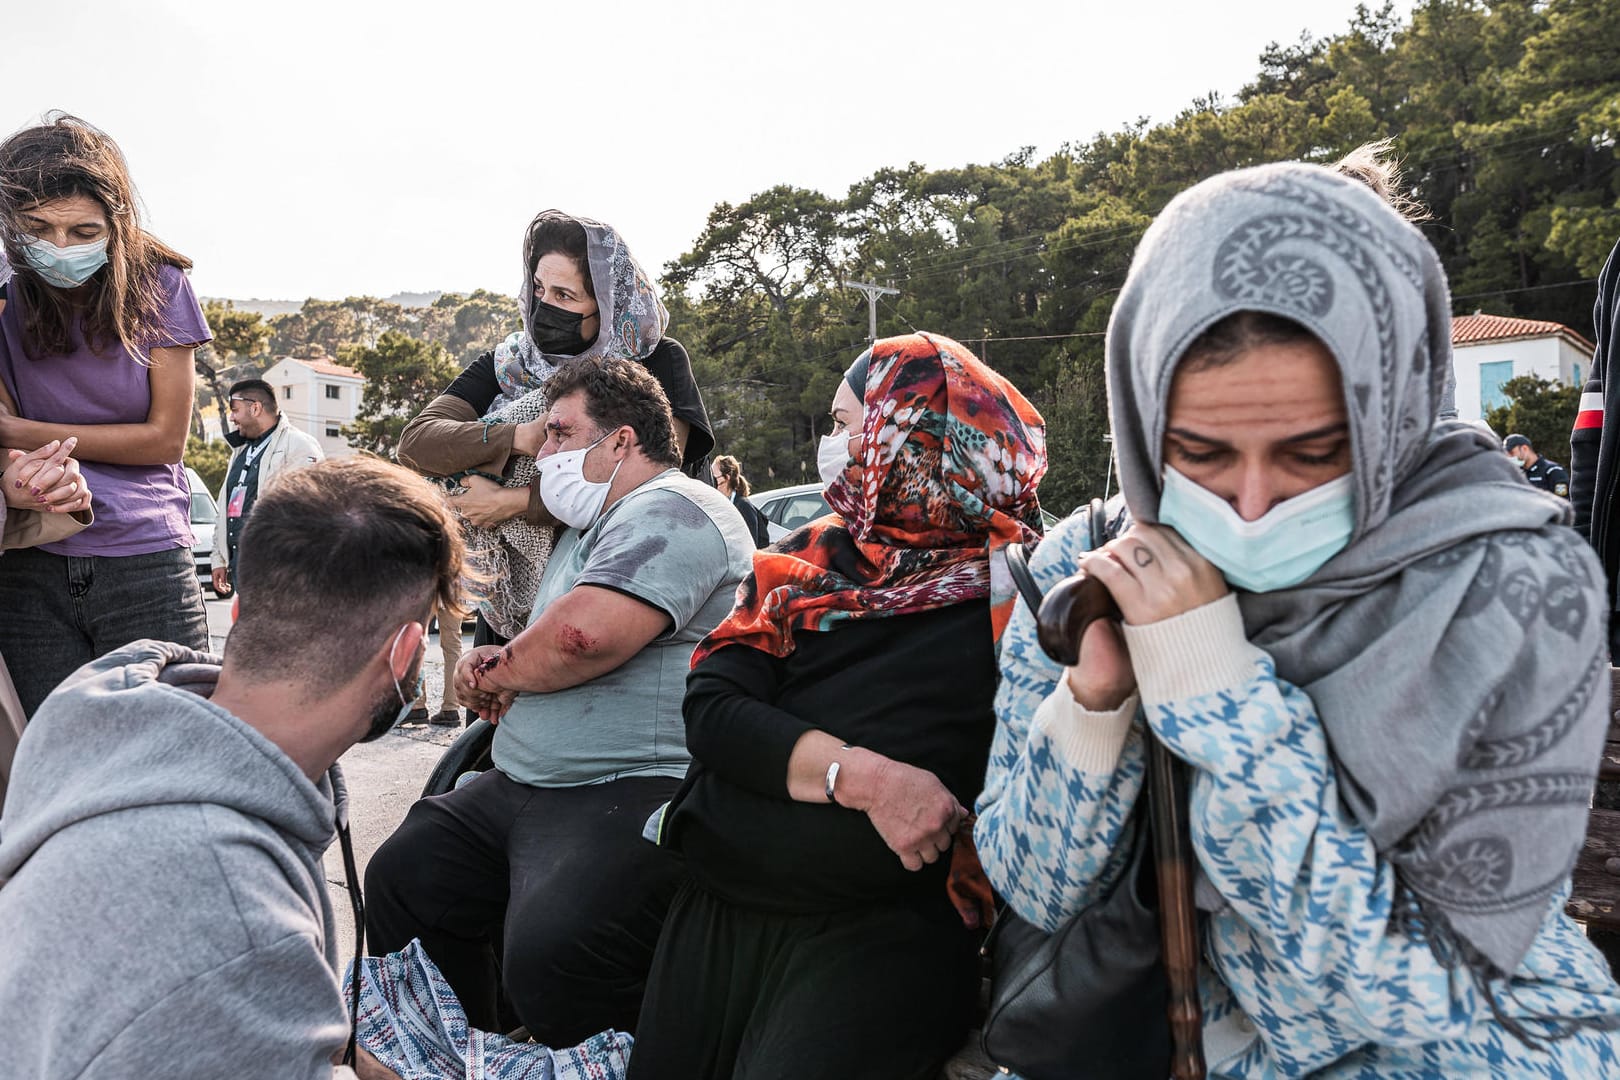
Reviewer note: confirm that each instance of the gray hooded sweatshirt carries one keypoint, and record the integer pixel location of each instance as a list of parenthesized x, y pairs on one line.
[(163, 906)]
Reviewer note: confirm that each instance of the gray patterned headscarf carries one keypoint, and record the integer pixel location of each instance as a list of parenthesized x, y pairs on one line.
[(512, 557), (633, 317), (1455, 649)]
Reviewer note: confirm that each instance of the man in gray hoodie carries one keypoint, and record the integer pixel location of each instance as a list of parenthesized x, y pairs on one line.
[(164, 907)]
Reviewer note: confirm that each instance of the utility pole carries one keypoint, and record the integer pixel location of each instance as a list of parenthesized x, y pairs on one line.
[(872, 293)]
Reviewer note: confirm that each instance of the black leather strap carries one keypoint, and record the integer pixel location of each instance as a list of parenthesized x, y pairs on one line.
[(1018, 566)]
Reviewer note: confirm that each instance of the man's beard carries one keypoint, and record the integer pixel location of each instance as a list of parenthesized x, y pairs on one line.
[(385, 714)]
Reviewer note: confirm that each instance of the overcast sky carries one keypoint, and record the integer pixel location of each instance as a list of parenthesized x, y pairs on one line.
[(336, 148)]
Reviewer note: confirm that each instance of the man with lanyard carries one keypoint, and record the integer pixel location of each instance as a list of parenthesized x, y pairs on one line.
[(1543, 472), (264, 443)]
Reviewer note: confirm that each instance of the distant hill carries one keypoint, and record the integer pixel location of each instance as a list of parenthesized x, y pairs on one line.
[(270, 308), (267, 308), (414, 299)]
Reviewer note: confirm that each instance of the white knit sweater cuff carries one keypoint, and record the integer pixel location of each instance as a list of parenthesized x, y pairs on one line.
[(1090, 741), (1201, 651)]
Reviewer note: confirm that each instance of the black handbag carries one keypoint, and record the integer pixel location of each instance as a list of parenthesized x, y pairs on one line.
[(1088, 1001)]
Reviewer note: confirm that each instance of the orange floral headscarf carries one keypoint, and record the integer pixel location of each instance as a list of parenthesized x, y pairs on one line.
[(951, 457)]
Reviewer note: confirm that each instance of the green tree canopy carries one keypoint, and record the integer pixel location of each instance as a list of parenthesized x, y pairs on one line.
[(211, 460), (1541, 410), (402, 375), (1507, 116)]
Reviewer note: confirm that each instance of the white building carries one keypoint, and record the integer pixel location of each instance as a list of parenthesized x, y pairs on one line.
[(1488, 350), (319, 397)]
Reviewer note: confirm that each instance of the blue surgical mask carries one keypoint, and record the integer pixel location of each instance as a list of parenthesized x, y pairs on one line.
[(1276, 551), (69, 267)]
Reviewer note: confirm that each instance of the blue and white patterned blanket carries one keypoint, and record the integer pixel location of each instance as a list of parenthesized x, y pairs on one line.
[(410, 1019)]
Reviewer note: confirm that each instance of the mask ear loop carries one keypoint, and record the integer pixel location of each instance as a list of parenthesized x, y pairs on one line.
[(616, 465), (398, 689)]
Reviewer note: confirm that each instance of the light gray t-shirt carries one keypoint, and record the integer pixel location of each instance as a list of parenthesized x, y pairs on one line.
[(678, 545)]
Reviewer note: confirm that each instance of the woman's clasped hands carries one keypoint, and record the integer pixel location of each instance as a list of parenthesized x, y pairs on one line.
[(46, 478), (1153, 575)]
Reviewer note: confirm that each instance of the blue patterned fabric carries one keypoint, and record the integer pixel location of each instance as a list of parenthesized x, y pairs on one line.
[(410, 1019), (1306, 962)]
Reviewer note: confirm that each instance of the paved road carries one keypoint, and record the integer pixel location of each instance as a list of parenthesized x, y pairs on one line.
[(384, 777)]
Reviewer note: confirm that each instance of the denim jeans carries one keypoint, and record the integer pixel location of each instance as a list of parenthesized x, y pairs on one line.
[(59, 612)]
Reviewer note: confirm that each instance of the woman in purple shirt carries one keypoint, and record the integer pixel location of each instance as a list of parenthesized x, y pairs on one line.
[(97, 329)]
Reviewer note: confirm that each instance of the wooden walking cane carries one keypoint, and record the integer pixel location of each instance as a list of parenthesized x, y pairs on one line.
[(1074, 604)]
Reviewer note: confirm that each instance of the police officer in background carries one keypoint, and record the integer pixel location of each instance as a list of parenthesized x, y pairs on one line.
[(1543, 472)]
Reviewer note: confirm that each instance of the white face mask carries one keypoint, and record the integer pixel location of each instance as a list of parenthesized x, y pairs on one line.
[(832, 457), (572, 499)]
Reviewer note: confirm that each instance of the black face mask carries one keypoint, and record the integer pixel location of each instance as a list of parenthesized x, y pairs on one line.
[(555, 330)]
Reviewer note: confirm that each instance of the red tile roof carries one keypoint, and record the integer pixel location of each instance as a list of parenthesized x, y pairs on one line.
[(1478, 329), (326, 367)]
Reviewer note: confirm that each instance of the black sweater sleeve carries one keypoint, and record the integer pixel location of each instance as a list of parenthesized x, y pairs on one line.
[(917, 688), (731, 725), (476, 384)]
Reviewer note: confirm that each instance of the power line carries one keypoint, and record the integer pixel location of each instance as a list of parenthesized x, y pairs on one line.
[(1040, 248), (1528, 288), (1037, 337)]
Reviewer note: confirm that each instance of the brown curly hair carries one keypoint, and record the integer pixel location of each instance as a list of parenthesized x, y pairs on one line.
[(123, 302)]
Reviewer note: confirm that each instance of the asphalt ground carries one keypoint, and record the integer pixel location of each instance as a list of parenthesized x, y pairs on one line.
[(384, 776)]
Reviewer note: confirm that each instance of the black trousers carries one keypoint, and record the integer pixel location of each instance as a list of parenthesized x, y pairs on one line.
[(885, 993), (549, 893)]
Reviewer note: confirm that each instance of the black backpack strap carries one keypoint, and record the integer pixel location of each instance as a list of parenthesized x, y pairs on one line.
[(1018, 566)]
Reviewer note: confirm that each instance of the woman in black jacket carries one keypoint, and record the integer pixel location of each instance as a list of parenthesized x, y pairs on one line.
[(730, 482)]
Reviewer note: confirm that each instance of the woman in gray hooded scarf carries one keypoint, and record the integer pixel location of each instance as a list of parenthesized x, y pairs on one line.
[(1381, 654), (583, 296)]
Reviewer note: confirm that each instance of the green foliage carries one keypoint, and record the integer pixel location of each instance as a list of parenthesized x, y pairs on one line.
[(465, 325), (210, 459), (469, 325), (402, 375), (237, 352), (1541, 410), (326, 327), (237, 334), (1507, 116)]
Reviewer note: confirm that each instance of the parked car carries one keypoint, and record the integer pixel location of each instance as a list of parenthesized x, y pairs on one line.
[(203, 515), (785, 509)]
